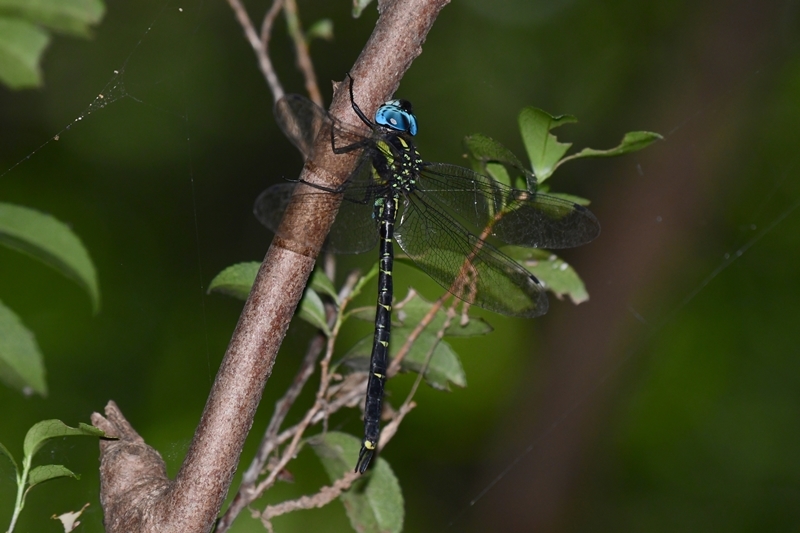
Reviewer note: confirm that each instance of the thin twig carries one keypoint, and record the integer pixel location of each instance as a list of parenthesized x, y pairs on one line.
[(301, 49), (320, 499), (288, 454), (283, 405), (320, 406), (266, 24), (264, 62), (347, 399)]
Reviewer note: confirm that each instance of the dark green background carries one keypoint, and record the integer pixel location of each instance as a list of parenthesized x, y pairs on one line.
[(665, 403)]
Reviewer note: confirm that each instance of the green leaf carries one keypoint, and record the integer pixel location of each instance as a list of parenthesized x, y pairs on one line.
[(498, 172), (631, 142), (45, 430), (367, 314), (322, 284), (4, 451), (374, 504), (236, 280), (472, 328), (43, 473), (357, 357), (558, 276), (321, 29), (444, 366), (23, 37), (43, 237), (483, 148), (336, 452), (21, 362), (415, 307), (21, 47), (359, 6), (543, 148), (312, 310), (68, 16)]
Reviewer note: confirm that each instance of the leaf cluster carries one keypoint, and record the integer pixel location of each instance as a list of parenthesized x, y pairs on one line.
[(546, 154), (28, 476), (26, 27), (42, 237)]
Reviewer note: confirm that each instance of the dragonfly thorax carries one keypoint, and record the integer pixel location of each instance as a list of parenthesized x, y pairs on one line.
[(396, 163)]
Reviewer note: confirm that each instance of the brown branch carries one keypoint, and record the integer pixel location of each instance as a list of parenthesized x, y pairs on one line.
[(320, 499)]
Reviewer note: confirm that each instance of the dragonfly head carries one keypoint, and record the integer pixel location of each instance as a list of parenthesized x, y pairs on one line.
[(397, 115)]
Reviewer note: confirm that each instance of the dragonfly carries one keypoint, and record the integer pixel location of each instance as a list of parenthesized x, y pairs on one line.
[(449, 220)]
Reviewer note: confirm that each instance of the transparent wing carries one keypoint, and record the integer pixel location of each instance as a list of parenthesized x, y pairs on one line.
[(307, 126), (303, 122), (468, 267), (271, 205), (513, 216), (354, 231)]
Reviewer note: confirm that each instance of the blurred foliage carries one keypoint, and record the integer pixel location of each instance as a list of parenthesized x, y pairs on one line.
[(41, 237), (25, 28), (695, 421), (35, 439)]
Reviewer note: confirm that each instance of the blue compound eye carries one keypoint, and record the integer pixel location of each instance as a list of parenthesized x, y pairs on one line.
[(397, 115)]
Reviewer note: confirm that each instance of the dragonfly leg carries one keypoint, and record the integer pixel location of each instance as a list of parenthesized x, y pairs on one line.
[(357, 109)]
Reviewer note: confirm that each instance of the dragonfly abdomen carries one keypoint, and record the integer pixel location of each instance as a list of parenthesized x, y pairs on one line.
[(385, 212)]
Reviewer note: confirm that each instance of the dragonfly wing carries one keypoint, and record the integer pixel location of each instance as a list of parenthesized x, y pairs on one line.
[(304, 122), (541, 221), (471, 269), (308, 126), (271, 205), (513, 216), (354, 230)]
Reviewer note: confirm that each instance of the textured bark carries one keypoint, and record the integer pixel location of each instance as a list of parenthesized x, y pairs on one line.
[(136, 494)]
